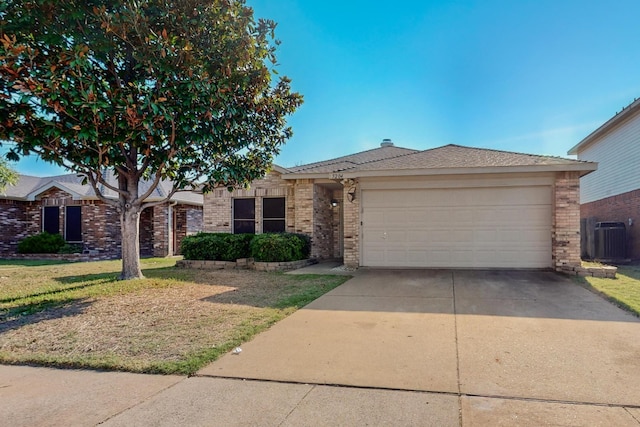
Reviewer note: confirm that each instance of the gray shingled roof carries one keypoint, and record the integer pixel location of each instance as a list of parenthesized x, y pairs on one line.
[(447, 157), (456, 156), (352, 160), (29, 186)]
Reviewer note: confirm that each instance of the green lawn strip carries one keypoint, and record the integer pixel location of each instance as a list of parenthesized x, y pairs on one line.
[(624, 290), (16, 263)]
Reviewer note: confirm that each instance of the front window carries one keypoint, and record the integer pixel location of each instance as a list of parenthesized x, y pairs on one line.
[(244, 216), (273, 215)]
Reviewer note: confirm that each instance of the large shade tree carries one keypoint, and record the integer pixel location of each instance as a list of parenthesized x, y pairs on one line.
[(145, 90)]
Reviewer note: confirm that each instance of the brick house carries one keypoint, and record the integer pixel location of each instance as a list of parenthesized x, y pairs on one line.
[(62, 204), (450, 206), (612, 193)]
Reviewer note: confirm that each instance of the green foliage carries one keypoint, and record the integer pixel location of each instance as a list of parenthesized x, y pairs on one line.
[(179, 89), (43, 243), (306, 248), (71, 248), (271, 247), (216, 246), (277, 247), (185, 91), (8, 176)]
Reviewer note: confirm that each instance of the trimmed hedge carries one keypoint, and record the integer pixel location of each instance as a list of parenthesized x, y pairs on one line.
[(43, 243), (277, 247), (216, 246), (269, 247)]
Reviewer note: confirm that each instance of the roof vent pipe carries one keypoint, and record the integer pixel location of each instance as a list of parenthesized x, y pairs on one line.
[(386, 143)]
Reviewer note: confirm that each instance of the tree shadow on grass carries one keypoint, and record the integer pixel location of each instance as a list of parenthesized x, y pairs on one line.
[(47, 293), (152, 272), (32, 313)]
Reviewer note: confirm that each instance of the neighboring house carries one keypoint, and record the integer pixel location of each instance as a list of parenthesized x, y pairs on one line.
[(451, 206), (62, 204), (612, 193)]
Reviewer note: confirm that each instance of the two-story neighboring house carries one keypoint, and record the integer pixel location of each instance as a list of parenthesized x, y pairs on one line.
[(612, 192)]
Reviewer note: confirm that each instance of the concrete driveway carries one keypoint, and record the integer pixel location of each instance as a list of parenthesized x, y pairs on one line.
[(517, 343)]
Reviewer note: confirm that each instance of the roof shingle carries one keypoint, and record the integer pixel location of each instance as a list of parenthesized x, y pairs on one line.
[(455, 156), (27, 185)]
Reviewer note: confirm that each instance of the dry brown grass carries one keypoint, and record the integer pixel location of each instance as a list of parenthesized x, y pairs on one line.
[(174, 321)]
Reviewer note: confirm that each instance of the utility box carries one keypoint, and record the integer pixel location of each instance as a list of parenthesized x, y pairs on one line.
[(610, 241)]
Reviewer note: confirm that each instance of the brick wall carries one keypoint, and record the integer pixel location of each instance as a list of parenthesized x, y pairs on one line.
[(565, 247), (303, 205), (188, 221), (308, 211), (217, 211), (160, 231), (146, 232), (322, 244), (337, 224), (101, 228), (351, 218), (100, 224), (619, 208), (15, 227)]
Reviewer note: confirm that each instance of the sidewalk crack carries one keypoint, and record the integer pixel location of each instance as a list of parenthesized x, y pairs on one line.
[(297, 404), (455, 329), (632, 416)]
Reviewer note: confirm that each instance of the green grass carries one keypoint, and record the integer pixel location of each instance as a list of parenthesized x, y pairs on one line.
[(624, 290), (174, 321)]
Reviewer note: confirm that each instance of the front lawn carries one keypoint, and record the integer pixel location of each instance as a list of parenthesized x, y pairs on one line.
[(174, 321), (623, 291)]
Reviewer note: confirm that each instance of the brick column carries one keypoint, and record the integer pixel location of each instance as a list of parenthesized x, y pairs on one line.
[(322, 223), (565, 250), (217, 211), (304, 206), (351, 218), (160, 231)]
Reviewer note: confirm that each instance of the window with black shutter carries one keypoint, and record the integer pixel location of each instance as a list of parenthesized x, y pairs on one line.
[(73, 224), (51, 219)]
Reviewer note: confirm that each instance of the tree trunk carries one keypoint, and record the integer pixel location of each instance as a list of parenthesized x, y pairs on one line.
[(130, 227)]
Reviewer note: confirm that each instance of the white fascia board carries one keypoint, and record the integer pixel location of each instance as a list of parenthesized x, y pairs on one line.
[(584, 167), (53, 184), (606, 127)]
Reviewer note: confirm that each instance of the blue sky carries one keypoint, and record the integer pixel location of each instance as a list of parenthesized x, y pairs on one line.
[(530, 76)]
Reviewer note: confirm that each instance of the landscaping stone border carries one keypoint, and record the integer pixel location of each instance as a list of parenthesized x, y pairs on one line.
[(604, 271), (245, 264)]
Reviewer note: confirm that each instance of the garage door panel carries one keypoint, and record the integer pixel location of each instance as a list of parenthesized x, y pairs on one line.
[(461, 227)]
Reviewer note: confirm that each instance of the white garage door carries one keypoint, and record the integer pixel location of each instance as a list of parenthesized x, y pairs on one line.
[(506, 227)]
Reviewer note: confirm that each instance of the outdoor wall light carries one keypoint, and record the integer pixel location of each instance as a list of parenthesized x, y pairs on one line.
[(334, 203)]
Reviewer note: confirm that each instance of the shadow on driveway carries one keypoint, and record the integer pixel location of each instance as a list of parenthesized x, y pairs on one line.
[(512, 293)]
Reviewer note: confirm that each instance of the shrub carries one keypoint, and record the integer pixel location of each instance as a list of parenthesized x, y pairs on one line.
[(277, 247), (43, 243), (306, 240), (71, 248), (216, 246)]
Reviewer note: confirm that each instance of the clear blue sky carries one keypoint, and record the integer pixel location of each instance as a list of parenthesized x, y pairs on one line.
[(532, 76)]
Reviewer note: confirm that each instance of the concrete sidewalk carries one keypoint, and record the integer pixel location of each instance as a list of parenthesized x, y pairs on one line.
[(413, 348)]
